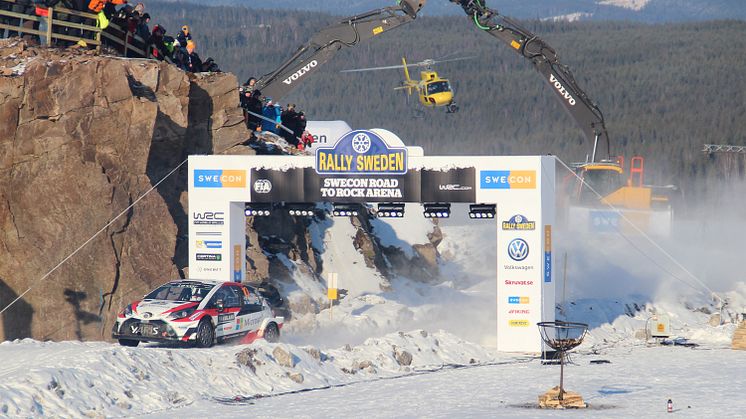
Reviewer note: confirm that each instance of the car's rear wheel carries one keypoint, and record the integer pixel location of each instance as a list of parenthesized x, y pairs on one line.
[(129, 342), (271, 333), (205, 334)]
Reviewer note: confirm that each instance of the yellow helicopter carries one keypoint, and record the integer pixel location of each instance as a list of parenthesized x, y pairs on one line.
[(434, 91)]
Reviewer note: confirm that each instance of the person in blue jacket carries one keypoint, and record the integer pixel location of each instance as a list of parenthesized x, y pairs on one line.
[(271, 112)]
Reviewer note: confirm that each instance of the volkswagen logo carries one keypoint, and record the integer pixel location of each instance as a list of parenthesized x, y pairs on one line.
[(262, 186), (518, 250)]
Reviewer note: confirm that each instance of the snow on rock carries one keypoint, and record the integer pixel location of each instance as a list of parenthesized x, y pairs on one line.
[(403, 232), (99, 379)]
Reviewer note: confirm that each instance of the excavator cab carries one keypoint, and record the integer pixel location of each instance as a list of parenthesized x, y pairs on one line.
[(607, 198)]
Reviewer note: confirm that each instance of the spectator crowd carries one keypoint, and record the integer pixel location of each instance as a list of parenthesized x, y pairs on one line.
[(261, 114), (156, 43)]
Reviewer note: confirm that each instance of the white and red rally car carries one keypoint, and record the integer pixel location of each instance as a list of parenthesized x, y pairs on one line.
[(200, 312)]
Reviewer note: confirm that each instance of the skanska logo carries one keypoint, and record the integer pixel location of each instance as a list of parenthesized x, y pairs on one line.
[(518, 250)]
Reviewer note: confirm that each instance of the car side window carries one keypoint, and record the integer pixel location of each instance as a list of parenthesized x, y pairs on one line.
[(221, 294), (252, 302), (233, 297)]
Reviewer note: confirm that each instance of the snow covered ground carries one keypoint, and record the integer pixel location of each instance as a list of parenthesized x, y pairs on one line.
[(354, 359), (636, 383)]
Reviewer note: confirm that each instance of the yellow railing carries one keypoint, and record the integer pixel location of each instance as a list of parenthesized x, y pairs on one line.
[(114, 35)]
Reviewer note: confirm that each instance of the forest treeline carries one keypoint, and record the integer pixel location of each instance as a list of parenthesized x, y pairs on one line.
[(665, 90)]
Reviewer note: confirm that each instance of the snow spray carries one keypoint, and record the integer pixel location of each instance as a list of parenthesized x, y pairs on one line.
[(669, 406)]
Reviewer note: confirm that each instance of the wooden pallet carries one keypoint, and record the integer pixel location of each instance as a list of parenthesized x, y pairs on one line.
[(739, 337), (570, 400)]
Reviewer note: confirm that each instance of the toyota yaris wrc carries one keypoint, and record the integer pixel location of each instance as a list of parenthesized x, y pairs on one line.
[(199, 312)]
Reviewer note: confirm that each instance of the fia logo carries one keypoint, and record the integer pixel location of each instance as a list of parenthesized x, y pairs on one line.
[(518, 250), (263, 186)]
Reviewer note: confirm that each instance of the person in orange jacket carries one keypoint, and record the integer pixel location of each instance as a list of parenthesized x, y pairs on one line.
[(98, 5)]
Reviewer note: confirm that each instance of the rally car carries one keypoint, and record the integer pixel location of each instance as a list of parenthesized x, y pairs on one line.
[(199, 312)]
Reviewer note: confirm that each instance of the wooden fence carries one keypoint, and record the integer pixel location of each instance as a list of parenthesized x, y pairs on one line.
[(58, 28)]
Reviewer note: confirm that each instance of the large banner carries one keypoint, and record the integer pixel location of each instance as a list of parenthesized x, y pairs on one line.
[(361, 167), (373, 166)]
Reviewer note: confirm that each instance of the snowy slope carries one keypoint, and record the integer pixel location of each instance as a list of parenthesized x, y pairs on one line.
[(98, 379)]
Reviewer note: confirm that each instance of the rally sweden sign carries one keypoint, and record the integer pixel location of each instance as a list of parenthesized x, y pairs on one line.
[(361, 152)]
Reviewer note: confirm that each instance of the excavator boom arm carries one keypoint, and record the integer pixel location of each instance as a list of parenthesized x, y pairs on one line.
[(544, 58), (322, 46)]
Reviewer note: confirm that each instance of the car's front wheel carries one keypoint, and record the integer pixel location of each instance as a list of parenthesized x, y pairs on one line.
[(129, 342), (205, 334), (271, 333)]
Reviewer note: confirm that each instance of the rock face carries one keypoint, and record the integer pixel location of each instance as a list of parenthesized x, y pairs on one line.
[(82, 137)]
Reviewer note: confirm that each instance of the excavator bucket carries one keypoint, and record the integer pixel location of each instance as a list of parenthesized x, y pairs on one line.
[(412, 7)]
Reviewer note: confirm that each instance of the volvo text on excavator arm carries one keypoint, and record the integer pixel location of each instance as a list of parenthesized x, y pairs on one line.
[(545, 60), (349, 32)]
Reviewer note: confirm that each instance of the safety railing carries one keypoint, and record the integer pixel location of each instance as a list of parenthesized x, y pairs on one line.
[(58, 25)]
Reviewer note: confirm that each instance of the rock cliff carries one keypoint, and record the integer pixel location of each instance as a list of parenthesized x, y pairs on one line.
[(81, 138)]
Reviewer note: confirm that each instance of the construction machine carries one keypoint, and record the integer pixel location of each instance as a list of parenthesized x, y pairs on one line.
[(321, 47), (600, 188), (602, 196)]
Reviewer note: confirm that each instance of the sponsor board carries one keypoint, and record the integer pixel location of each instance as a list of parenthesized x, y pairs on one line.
[(361, 152), (262, 186), (523, 311), (208, 218), (226, 318), (209, 244), (604, 221), (518, 223), (209, 178), (207, 269), (519, 323), (208, 233), (305, 185), (548, 253), (518, 250), (454, 185), (209, 257), (237, 263), (507, 179), (518, 300), (524, 282)]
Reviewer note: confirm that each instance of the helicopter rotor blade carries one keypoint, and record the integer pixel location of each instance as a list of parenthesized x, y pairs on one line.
[(390, 67), (454, 59)]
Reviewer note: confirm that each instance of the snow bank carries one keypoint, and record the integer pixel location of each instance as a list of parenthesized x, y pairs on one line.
[(100, 379)]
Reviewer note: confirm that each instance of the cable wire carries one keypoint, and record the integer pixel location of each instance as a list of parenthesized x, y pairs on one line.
[(92, 237), (646, 237)]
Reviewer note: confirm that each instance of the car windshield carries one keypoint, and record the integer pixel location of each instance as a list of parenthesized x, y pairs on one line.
[(438, 87), (180, 292)]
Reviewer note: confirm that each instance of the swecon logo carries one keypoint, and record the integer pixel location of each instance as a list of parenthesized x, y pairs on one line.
[(219, 178), (507, 179)]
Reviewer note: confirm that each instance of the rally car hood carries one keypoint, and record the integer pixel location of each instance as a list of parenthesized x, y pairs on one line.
[(160, 308)]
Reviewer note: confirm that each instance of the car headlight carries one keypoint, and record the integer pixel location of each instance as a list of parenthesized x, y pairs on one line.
[(181, 314), (128, 310)]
